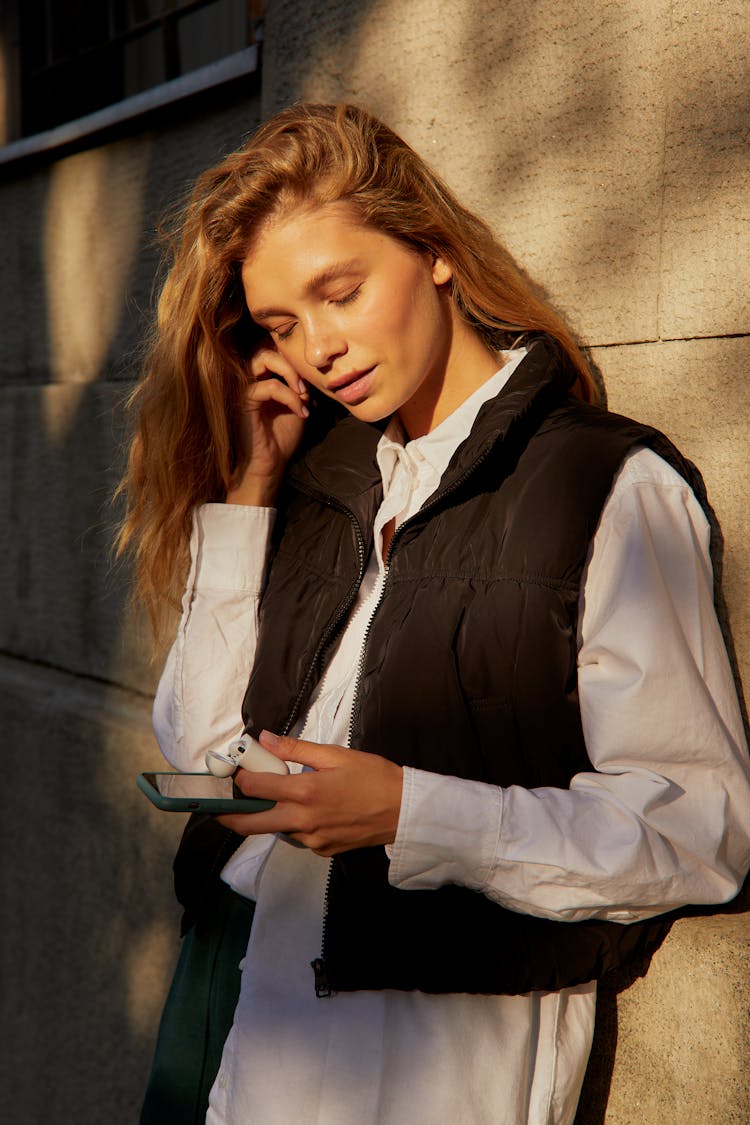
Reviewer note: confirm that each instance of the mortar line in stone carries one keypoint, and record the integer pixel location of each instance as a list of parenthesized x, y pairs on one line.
[(669, 340), (663, 192), (85, 677)]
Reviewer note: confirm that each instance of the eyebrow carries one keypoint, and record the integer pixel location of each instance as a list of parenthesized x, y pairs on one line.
[(317, 282)]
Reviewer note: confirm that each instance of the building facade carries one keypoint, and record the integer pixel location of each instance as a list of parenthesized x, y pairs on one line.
[(610, 155)]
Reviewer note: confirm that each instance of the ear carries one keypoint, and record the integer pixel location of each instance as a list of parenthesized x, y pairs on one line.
[(441, 271)]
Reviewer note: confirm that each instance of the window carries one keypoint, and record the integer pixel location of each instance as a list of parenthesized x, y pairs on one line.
[(74, 57)]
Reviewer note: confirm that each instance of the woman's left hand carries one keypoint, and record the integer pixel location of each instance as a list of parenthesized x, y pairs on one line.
[(348, 799)]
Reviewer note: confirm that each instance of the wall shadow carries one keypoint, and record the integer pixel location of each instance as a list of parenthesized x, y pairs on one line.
[(93, 930)]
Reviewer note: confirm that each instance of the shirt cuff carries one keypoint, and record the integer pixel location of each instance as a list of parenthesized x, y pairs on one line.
[(231, 548), (448, 832), (244, 869)]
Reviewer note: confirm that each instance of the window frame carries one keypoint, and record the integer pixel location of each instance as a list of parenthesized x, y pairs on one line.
[(115, 118)]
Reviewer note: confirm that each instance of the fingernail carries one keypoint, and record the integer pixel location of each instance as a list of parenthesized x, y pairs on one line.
[(305, 411), (269, 737)]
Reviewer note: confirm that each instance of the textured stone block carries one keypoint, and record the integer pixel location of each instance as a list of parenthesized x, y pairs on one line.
[(681, 1034), (22, 290), (706, 241), (608, 152), (92, 230), (546, 118), (63, 604), (80, 252), (91, 925)]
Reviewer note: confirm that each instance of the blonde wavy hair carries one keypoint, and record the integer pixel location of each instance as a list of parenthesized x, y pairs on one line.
[(184, 448)]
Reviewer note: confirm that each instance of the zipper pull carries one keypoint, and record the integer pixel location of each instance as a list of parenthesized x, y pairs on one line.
[(322, 987)]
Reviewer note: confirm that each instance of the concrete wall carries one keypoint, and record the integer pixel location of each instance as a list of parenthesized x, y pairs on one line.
[(607, 144)]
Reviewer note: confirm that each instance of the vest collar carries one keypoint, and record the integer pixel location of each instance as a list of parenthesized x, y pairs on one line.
[(342, 467)]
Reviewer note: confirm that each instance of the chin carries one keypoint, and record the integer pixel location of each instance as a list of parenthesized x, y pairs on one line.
[(370, 411)]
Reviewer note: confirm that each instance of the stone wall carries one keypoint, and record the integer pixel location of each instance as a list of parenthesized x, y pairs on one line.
[(607, 144), (91, 926)]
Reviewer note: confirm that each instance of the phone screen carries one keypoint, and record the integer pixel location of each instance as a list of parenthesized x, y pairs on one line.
[(192, 786)]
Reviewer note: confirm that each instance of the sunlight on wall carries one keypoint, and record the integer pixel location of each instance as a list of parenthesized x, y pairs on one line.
[(148, 969), (609, 154), (555, 156), (92, 233)]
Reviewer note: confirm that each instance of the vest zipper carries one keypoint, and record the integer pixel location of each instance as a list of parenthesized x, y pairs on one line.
[(428, 506), (319, 966), (368, 627), (322, 987)]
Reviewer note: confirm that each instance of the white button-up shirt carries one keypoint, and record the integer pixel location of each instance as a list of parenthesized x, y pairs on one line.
[(662, 819)]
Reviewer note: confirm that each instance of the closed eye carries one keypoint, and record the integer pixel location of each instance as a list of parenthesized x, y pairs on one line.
[(283, 332), (348, 298)]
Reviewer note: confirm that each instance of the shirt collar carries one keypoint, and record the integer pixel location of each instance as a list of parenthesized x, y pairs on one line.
[(438, 446)]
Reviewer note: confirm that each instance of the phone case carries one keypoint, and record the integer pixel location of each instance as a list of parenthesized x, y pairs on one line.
[(199, 804)]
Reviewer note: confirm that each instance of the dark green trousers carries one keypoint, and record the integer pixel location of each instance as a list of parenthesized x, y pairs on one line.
[(198, 1013)]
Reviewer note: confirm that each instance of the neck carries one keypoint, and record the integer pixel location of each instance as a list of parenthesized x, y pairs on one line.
[(469, 364)]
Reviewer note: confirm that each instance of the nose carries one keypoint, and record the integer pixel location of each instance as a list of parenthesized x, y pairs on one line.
[(323, 344)]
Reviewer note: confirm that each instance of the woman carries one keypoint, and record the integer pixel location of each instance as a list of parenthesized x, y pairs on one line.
[(485, 642)]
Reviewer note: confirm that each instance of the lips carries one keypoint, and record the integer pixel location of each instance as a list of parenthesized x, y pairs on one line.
[(352, 388)]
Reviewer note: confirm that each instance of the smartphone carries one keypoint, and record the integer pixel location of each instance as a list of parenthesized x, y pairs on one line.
[(197, 792)]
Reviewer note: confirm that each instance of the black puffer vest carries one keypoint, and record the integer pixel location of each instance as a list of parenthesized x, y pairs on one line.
[(469, 667)]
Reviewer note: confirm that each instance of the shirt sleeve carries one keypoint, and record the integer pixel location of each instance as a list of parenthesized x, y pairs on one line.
[(663, 818), (199, 697)]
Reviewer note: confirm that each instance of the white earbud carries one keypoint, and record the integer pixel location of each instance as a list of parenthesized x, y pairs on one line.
[(245, 752)]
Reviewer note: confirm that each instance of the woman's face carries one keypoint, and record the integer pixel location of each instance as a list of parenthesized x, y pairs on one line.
[(359, 315)]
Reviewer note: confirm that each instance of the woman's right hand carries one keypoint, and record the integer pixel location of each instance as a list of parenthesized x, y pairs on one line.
[(272, 421)]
